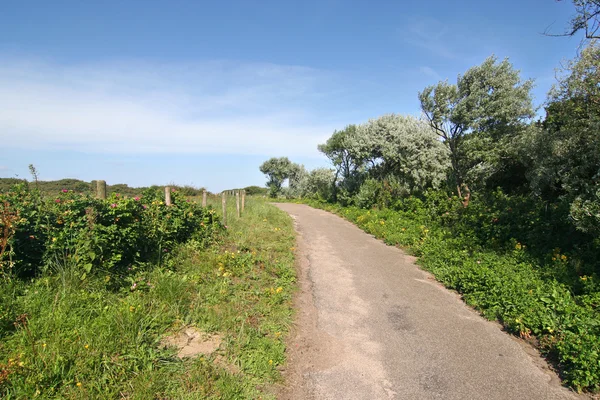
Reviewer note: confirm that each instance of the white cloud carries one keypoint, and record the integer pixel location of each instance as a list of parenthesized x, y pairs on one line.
[(134, 107)]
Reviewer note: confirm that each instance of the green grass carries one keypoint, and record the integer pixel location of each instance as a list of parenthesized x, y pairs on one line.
[(99, 338)]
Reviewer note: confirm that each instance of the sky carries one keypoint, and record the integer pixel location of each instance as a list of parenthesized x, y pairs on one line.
[(201, 93)]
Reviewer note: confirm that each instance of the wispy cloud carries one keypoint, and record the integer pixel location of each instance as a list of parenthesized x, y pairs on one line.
[(137, 107), (445, 40), (431, 35), (430, 73)]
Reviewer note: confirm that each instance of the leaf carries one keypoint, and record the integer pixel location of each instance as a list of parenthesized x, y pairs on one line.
[(88, 267), (83, 276)]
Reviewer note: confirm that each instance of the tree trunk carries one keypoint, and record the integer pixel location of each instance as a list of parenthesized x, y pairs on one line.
[(462, 189)]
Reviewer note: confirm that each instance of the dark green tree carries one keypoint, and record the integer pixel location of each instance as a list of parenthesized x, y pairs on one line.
[(566, 151)]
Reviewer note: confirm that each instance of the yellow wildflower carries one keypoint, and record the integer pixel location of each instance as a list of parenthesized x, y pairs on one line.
[(78, 384), (279, 289), (270, 362)]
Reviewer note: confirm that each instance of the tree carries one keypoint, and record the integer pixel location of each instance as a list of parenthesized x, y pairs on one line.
[(394, 148), (566, 150), (277, 170), (345, 153), (297, 177), (407, 149), (587, 19), (319, 184), (488, 100)]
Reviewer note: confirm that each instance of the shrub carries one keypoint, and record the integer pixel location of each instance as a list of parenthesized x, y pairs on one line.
[(110, 234)]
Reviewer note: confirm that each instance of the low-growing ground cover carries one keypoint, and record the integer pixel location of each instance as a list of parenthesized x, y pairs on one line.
[(537, 291), (76, 325)]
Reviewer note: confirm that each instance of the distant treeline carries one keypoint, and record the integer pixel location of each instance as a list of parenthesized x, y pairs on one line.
[(76, 185), (253, 190)]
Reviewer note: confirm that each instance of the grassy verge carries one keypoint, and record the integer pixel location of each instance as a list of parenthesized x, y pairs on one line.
[(92, 338), (508, 285)]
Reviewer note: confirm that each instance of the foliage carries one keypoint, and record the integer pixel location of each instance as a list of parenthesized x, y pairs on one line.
[(52, 188), (277, 170), (395, 148), (488, 100), (297, 180), (111, 234), (587, 19), (565, 152), (319, 184), (405, 148), (67, 338), (343, 149), (256, 190)]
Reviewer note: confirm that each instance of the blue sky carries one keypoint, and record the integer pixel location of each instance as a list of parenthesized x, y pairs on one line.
[(201, 93)]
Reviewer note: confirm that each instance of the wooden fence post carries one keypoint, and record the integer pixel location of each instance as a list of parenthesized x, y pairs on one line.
[(101, 190), (224, 204), (243, 200), (204, 198), (168, 195), (237, 202)]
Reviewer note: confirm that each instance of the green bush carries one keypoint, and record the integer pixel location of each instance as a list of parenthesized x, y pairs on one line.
[(113, 234)]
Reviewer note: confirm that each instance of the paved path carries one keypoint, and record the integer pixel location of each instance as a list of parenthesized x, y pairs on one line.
[(372, 325)]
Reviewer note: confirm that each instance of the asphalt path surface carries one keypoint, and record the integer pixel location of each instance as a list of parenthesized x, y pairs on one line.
[(372, 325)]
